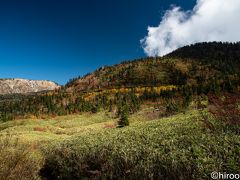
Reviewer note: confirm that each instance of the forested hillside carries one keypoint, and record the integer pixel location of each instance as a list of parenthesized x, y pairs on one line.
[(171, 82), (222, 56), (197, 62)]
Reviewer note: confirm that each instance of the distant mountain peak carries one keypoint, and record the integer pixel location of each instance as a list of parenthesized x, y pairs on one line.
[(23, 86)]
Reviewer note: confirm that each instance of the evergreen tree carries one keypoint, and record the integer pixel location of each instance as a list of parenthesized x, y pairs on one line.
[(124, 112)]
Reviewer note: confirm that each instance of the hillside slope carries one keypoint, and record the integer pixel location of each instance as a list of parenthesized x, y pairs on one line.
[(22, 86), (201, 63)]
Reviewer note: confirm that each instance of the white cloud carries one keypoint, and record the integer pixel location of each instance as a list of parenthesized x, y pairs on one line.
[(210, 20)]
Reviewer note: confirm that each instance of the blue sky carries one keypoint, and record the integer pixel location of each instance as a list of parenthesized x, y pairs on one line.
[(61, 39)]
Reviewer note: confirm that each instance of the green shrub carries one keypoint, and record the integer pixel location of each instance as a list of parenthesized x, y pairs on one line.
[(123, 121)]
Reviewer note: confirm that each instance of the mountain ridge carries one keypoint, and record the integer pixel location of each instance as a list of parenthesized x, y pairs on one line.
[(24, 86), (191, 64)]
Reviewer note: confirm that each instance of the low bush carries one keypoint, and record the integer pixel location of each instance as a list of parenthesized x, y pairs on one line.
[(16, 161)]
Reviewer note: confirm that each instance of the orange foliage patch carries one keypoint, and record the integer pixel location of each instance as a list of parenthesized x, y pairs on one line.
[(137, 90), (41, 129), (109, 126)]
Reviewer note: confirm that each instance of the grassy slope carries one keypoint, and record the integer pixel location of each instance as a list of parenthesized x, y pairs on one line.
[(38, 130), (37, 135), (173, 147)]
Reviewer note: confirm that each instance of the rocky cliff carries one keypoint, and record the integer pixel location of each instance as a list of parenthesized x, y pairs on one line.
[(22, 86)]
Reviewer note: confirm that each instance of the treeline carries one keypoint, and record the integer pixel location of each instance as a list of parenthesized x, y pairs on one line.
[(60, 103), (171, 98)]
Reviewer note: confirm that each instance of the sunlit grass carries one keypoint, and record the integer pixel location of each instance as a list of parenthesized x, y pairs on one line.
[(150, 144)]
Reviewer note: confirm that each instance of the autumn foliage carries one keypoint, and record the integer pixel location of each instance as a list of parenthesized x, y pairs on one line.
[(225, 111)]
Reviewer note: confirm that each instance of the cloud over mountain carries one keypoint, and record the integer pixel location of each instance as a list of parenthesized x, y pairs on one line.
[(209, 20)]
